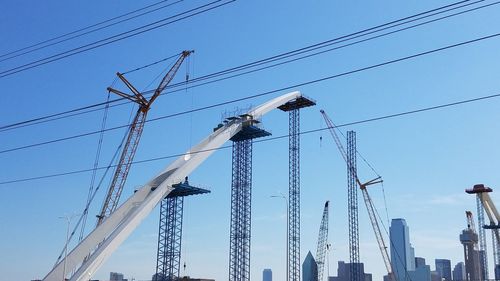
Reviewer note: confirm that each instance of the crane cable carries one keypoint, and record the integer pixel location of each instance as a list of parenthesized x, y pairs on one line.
[(96, 165), (85, 210), (92, 192)]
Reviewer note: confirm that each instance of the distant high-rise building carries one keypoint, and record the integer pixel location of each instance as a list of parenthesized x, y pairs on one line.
[(435, 276), (402, 253), (419, 262), (309, 268), (267, 274), (344, 272), (115, 276), (422, 271), (459, 272), (443, 267), (469, 239)]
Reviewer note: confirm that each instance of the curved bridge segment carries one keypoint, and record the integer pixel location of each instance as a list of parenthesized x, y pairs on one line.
[(86, 258)]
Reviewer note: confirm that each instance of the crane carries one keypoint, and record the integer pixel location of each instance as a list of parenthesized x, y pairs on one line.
[(482, 192), (367, 199), (134, 135), (322, 242)]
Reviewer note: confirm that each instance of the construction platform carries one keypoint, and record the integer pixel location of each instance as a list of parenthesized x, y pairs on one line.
[(183, 189), (299, 102), (478, 188), (249, 130)]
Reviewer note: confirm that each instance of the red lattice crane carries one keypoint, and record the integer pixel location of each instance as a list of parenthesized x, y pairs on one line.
[(367, 199), (134, 135)]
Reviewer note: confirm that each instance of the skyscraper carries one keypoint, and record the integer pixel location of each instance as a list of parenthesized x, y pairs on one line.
[(267, 275), (309, 268), (115, 276), (402, 253), (443, 267), (419, 262), (344, 272), (422, 271), (459, 272)]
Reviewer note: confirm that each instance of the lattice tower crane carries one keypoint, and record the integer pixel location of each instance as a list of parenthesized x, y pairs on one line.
[(134, 135), (482, 193), (367, 199), (322, 242)]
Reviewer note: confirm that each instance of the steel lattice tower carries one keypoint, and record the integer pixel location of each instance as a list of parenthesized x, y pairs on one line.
[(294, 195), (352, 205), (241, 193), (241, 198), (169, 243), (483, 256), (293, 108), (168, 260)]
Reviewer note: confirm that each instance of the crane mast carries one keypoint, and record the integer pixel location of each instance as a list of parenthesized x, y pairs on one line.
[(322, 242), (134, 135), (367, 199)]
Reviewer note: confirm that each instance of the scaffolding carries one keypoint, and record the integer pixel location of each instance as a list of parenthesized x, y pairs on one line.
[(293, 108), (352, 208), (241, 197), (170, 231)]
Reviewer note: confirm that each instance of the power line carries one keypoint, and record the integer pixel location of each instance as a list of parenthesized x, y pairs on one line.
[(264, 93), (363, 121), (67, 113), (59, 39), (288, 54), (118, 37)]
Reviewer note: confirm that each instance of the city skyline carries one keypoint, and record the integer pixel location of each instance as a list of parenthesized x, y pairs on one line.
[(375, 87)]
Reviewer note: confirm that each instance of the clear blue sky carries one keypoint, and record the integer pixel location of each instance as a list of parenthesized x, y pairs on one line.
[(426, 159)]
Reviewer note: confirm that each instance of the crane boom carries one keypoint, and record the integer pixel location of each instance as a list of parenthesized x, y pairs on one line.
[(134, 135), (322, 242), (368, 202)]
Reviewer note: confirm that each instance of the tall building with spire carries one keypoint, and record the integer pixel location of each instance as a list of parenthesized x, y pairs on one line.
[(309, 268)]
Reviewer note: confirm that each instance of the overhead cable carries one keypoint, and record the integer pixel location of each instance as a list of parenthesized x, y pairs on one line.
[(83, 31), (363, 121), (118, 37), (70, 113), (294, 86)]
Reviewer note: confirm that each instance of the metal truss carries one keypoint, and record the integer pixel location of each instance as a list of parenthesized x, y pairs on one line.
[(482, 239), (240, 228), (294, 195), (169, 239), (352, 205)]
